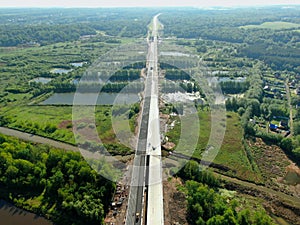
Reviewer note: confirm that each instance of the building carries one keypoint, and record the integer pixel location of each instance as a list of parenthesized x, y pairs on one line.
[(273, 127)]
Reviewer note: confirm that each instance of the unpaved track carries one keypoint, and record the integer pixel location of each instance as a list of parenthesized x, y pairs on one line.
[(288, 199), (37, 139)]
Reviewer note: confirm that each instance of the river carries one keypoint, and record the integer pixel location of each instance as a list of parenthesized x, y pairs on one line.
[(11, 215)]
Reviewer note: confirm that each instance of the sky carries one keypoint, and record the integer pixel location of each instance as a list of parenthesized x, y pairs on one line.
[(141, 3)]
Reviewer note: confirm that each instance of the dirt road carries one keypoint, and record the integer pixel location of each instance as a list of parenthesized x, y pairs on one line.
[(38, 139), (290, 200)]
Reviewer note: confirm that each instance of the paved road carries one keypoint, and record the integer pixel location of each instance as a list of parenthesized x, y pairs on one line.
[(37, 139), (155, 209), (137, 187), (149, 136), (135, 201)]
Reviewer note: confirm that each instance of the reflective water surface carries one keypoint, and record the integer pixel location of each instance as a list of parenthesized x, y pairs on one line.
[(11, 215)]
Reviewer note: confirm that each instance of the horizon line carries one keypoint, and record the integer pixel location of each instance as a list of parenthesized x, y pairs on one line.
[(162, 6)]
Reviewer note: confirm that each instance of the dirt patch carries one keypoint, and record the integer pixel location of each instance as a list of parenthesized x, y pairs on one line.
[(274, 166), (169, 146), (86, 129), (175, 204), (66, 124), (270, 159), (292, 179), (292, 176), (164, 118)]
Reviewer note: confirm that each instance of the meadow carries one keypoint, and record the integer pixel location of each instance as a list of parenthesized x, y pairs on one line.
[(57, 122), (278, 25), (232, 153)]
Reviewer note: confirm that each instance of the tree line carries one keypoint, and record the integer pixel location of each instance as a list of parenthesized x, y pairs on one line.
[(13, 35)]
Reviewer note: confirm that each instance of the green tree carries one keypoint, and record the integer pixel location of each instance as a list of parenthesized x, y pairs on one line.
[(216, 220), (287, 144), (244, 217)]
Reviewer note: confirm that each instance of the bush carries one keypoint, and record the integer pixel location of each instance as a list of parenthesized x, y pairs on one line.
[(287, 144)]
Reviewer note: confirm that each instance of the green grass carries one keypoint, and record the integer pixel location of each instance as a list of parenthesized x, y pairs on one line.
[(55, 122), (273, 25), (35, 119), (232, 153)]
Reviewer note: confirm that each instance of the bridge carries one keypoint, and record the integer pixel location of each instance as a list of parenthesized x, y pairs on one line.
[(145, 203)]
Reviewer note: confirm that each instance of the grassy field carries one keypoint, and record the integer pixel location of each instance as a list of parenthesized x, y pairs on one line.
[(42, 120), (232, 153), (57, 122), (273, 25)]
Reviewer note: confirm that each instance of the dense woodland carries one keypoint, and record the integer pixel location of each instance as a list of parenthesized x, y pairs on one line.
[(62, 184), (19, 27)]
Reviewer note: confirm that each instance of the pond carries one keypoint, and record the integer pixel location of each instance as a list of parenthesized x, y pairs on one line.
[(87, 99), (11, 215), (229, 79), (42, 80), (219, 72), (60, 71), (78, 64)]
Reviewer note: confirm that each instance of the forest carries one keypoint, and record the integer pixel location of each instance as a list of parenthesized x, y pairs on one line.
[(30, 26), (62, 185)]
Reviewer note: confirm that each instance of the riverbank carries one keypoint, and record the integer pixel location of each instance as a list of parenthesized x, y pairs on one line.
[(12, 215)]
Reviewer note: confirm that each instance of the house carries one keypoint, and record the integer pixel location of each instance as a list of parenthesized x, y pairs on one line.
[(273, 127)]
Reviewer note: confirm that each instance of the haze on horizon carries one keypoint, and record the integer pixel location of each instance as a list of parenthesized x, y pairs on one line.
[(142, 3)]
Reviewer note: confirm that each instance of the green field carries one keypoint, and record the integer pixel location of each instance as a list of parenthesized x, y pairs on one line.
[(42, 120), (57, 122), (232, 153), (273, 25)]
